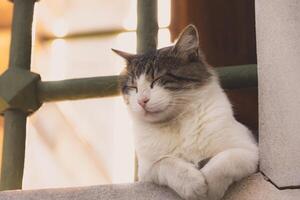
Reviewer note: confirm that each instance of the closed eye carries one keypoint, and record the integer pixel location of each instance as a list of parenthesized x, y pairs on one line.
[(155, 80), (181, 78), (174, 77), (130, 87)]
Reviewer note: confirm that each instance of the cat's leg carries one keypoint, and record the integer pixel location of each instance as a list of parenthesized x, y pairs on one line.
[(227, 167), (183, 177)]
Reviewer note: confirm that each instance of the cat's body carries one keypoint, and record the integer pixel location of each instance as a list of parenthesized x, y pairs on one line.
[(204, 131), (189, 120)]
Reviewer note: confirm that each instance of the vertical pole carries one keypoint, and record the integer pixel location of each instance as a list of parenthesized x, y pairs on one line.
[(147, 29), (13, 150), (147, 26), (13, 153)]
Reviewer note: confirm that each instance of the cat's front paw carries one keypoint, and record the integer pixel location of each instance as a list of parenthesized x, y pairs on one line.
[(192, 185)]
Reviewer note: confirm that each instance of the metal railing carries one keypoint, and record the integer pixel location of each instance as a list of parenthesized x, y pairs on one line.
[(22, 92)]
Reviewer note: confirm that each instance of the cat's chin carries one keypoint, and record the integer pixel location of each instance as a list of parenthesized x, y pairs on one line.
[(150, 112), (151, 117), (156, 117), (161, 115)]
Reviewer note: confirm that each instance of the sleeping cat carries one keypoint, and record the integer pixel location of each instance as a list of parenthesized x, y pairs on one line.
[(186, 136)]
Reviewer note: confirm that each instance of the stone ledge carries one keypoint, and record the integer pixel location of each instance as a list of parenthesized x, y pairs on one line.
[(133, 191), (254, 187)]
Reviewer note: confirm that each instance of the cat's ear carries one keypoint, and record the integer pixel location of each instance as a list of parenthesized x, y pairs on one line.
[(187, 43), (127, 56)]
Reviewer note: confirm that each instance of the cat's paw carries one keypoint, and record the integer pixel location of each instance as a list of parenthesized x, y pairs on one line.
[(192, 185)]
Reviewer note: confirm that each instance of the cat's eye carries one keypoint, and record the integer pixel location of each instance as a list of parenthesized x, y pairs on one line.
[(132, 87), (154, 81)]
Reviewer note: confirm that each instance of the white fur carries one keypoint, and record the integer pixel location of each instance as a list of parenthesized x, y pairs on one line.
[(201, 126)]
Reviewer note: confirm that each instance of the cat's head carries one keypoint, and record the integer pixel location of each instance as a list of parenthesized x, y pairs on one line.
[(158, 85)]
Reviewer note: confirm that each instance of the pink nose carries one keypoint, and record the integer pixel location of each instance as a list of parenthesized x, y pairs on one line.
[(143, 101)]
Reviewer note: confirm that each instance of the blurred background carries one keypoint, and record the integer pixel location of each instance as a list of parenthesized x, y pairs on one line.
[(88, 142)]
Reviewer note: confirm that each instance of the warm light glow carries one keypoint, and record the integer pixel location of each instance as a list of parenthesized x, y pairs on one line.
[(164, 38), (4, 49), (127, 41), (98, 129), (164, 15), (131, 21), (123, 151), (58, 61), (60, 28), (58, 46), (34, 30)]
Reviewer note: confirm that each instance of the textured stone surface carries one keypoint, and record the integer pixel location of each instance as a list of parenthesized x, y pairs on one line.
[(278, 50), (254, 187), (104, 192)]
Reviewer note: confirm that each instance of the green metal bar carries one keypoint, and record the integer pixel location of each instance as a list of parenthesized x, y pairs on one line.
[(231, 77), (13, 150), (78, 88), (20, 46), (236, 77), (13, 153), (147, 26)]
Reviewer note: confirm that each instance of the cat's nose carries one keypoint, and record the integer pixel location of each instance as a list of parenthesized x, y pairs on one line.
[(143, 101)]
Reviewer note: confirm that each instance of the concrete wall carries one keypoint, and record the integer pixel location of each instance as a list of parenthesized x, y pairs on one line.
[(278, 51)]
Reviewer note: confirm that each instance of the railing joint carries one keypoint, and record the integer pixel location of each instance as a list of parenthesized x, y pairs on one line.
[(18, 90)]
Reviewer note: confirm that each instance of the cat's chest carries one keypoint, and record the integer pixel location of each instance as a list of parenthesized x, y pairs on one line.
[(181, 141), (156, 142), (192, 146)]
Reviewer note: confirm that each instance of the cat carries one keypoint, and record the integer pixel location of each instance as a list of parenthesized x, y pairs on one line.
[(186, 136)]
